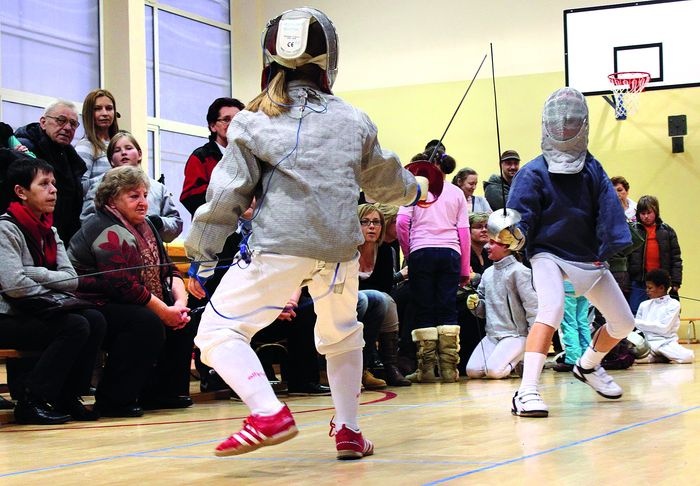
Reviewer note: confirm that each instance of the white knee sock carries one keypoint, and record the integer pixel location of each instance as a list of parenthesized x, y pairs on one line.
[(345, 380), (240, 367), (532, 369)]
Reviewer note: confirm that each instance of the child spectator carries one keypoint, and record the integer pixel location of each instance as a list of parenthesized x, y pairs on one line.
[(508, 301), (124, 149), (658, 318), (659, 250)]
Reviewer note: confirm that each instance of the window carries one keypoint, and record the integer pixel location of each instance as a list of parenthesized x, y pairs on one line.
[(194, 67), (48, 50), (188, 65)]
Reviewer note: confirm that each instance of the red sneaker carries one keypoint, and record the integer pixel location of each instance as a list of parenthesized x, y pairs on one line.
[(350, 444), (259, 431)]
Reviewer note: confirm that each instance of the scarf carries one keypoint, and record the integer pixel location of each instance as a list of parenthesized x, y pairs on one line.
[(147, 246), (38, 234)]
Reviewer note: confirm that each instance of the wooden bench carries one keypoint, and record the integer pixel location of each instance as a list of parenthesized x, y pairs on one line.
[(16, 353), (691, 337), (176, 251)]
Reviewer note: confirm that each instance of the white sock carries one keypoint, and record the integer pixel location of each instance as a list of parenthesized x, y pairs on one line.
[(591, 358), (345, 379), (532, 369), (239, 366)]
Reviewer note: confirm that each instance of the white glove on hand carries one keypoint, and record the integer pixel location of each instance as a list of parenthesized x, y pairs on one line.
[(423, 184), (472, 301)]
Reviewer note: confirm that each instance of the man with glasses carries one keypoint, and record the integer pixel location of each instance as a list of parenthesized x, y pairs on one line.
[(50, 139)]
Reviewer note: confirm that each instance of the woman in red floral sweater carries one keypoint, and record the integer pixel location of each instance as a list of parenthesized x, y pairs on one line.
[(141, 295)]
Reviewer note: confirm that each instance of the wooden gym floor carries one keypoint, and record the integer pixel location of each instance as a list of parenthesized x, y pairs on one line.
[(426, 434)]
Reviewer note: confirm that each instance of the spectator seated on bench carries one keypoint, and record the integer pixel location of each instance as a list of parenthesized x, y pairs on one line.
[(35, 262)]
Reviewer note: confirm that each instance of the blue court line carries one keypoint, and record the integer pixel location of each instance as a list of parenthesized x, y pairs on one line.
[(311, 424), (323, 422), (559, 448)]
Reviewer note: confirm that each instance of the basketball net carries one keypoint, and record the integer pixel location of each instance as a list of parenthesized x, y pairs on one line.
[(626, 87)]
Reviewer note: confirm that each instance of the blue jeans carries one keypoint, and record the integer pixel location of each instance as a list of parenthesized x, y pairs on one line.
[(433, 277), (371, 309)]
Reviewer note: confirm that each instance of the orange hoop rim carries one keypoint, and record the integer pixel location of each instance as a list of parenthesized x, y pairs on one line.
[(634, 80)]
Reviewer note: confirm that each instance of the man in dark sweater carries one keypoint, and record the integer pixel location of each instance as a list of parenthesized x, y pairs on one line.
[(50, 139)]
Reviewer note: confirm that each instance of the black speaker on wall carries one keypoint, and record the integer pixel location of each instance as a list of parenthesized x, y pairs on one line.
[(677, 129)]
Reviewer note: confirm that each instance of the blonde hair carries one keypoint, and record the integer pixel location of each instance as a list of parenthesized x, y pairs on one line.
[(273, 101), (389, 211)]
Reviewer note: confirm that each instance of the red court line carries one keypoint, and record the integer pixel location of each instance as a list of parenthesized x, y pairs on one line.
[(386, 395)]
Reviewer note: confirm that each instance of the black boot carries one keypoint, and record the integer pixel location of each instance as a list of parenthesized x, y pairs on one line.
[(33, 410), (388, 346)]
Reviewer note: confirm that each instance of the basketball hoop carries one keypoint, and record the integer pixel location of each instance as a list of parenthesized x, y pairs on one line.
[(626, 87)]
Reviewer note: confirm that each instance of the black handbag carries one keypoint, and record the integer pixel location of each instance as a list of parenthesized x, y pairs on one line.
[(49, 304)]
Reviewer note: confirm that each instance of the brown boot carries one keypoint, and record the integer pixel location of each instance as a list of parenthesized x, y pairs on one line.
[(448, 351), (370, 382), (426, 342), (388, 347)]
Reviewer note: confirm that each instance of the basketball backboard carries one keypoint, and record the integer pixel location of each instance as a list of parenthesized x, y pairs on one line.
[(660, 37)]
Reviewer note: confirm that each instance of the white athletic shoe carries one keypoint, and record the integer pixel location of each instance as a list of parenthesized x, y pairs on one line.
[(598, 379), (529, 404)]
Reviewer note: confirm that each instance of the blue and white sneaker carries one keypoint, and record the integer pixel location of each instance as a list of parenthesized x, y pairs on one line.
[(598, 379)]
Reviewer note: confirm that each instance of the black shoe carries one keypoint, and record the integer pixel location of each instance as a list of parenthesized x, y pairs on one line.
[(6, 404), (74, 407), (165, 403), (394, 377), (110, 410), (563, 367), (212, 382), (308, 389), (36, 412)]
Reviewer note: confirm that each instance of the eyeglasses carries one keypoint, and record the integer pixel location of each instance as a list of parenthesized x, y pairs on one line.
[(370, 222), (62, 120), (226, 119)]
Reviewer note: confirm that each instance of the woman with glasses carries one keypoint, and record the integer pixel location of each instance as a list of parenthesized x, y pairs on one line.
[(376, 282), (100, 124)]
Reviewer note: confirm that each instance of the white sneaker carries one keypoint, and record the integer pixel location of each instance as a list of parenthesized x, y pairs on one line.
[(529, 404), (598, 379)]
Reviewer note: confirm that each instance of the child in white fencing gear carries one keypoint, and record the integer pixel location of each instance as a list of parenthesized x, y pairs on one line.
[(305, 154), (659, 319), (573, 223), (506, 298)]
